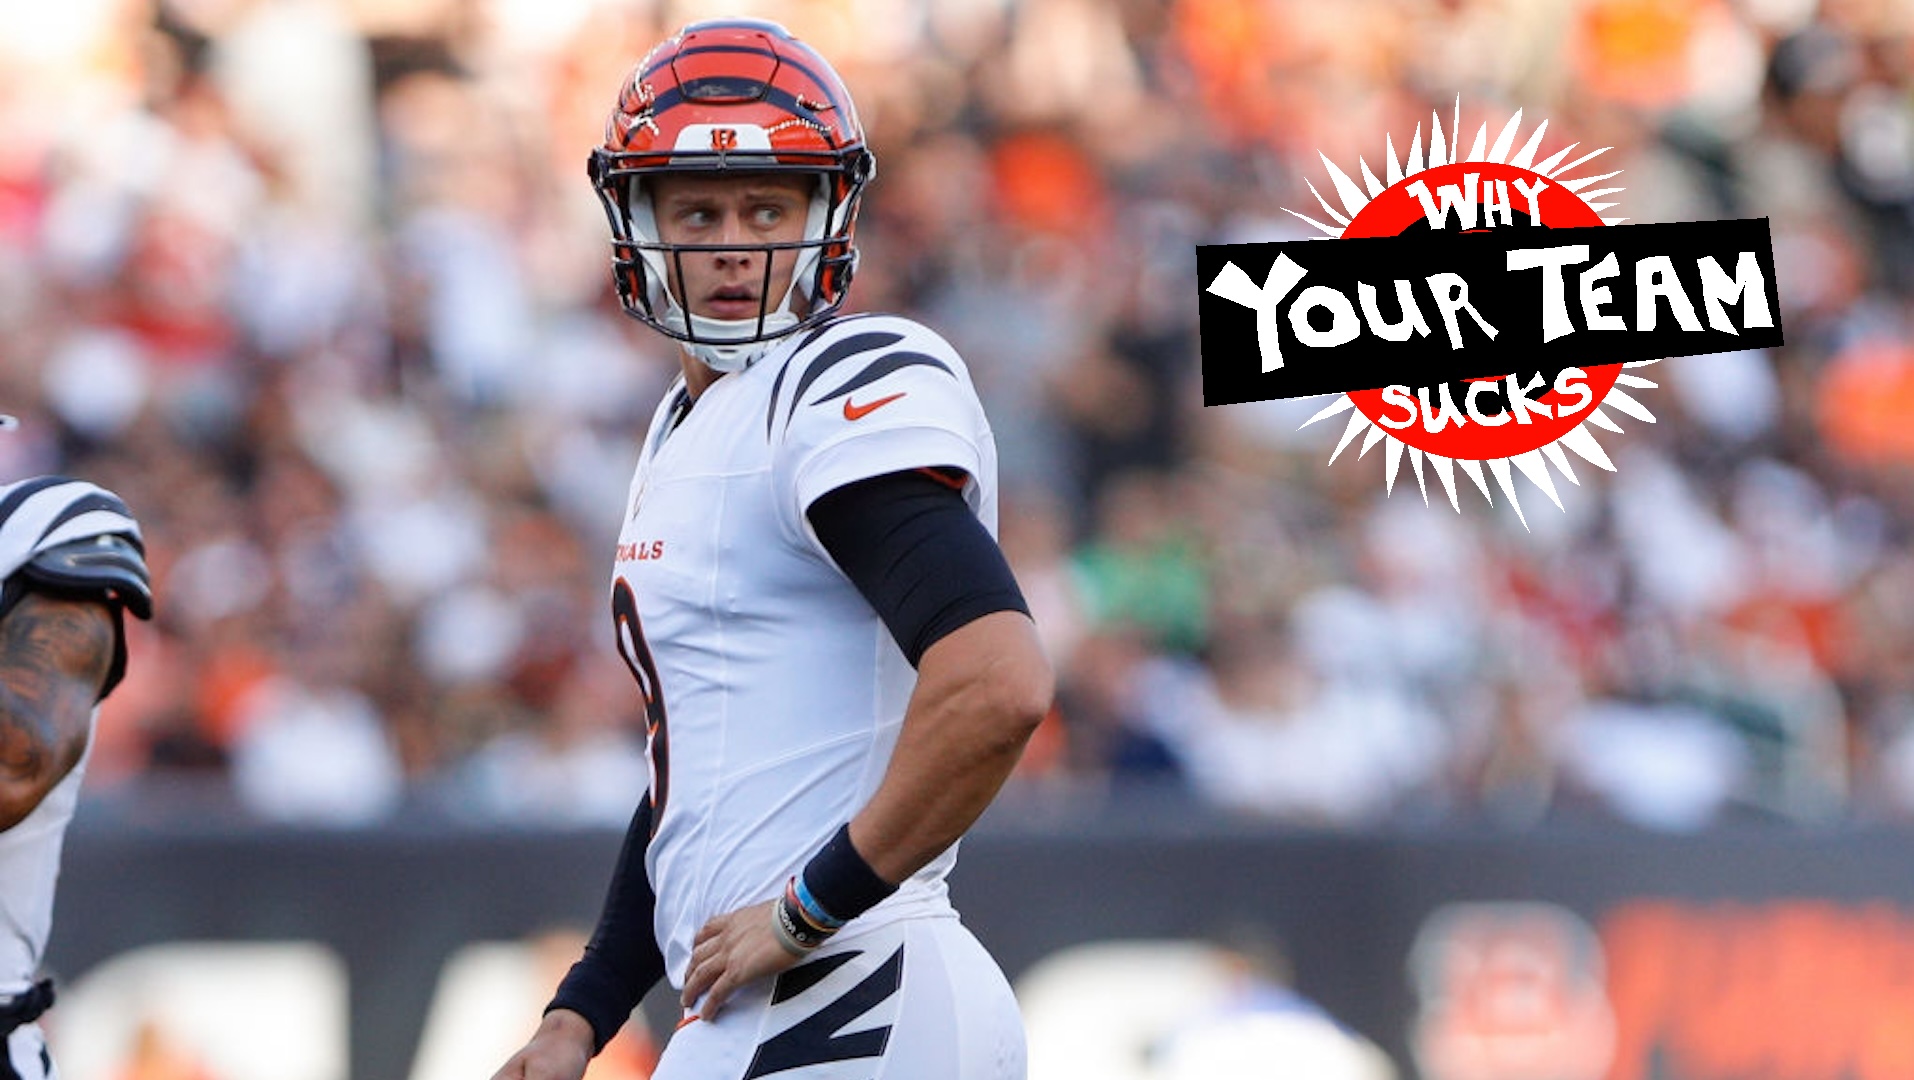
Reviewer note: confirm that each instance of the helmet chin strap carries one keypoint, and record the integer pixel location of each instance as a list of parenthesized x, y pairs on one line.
[(713, 333), (729, 345)]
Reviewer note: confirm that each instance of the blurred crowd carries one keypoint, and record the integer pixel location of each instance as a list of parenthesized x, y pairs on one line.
[(320, 287)]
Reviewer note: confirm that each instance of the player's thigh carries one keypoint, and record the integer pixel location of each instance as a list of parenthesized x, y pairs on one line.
[(716, 1049), (919, 999)]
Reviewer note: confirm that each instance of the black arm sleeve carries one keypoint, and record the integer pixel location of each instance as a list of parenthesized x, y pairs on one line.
[(910, 544), (621, 962)]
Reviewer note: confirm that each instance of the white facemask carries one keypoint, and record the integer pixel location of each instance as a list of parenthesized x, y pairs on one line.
[(727, 345)]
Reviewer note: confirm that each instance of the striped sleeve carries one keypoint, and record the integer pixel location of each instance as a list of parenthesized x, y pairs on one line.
[(878, 395), (45, 512)]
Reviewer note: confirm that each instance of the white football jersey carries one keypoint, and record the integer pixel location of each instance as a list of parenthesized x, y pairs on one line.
[(35, 515), (774, 691)]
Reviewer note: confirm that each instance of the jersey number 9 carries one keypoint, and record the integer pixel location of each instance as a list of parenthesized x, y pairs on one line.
[(631, 646)]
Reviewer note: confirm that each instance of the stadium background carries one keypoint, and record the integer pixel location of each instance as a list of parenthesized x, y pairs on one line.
[(319, 286)]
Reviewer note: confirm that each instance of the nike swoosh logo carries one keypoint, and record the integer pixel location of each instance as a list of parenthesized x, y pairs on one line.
[(859, 412)]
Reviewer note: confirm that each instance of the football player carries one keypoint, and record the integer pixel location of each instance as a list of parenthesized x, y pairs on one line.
[(72, 562), (838, 669)]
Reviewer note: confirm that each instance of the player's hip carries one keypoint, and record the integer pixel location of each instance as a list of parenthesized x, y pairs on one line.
[(924, 896), (914, 998)]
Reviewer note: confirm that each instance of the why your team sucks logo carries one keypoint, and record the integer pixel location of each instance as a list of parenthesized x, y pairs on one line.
[(1479, 308)]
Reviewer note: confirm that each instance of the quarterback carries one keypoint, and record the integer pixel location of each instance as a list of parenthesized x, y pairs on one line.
[(71, 561), (837, 666)]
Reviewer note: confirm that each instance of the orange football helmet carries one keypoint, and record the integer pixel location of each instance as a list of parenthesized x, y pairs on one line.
[(742, 96)]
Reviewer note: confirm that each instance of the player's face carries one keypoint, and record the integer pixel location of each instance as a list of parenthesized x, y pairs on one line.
[(765, 208)]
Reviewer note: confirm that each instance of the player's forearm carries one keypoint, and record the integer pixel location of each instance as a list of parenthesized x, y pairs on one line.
[(567, 1027), (622, 961), (981, 691), (53, 654), (34, 755)]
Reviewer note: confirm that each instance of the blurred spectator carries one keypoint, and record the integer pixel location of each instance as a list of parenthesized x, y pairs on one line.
[(1114, 731), (1264, 1030), (314, 754), (1275, 738), (1142, 571), (578, 765)]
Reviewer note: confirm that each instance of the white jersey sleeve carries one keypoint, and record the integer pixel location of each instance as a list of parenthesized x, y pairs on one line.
[(872, 395)]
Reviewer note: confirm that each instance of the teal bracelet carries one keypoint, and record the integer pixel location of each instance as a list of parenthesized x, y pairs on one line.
[(796, 932), (811, 909)]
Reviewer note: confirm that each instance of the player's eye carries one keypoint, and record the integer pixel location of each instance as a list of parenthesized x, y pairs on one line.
[(767, 216)]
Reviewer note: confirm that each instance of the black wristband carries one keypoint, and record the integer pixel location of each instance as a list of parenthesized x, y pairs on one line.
[(841, 882)]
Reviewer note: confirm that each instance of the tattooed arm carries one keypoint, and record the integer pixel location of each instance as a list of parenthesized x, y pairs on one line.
[(54, 654)]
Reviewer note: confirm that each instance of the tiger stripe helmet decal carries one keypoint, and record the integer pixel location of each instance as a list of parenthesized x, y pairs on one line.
[(739, 96)]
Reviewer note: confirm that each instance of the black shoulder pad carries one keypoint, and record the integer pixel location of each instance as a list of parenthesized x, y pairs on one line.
[(110, 567)]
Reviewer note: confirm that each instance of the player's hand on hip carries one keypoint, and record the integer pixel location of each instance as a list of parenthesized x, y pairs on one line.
[(559, 1050), (730, 951)]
